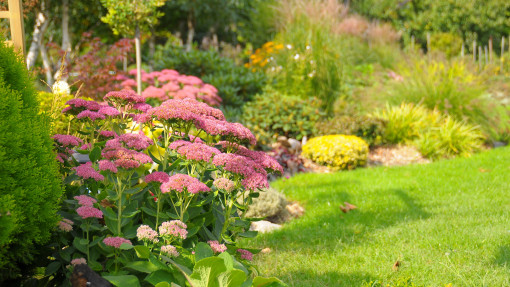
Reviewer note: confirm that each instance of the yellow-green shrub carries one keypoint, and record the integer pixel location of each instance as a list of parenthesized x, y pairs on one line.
[(337, 151)]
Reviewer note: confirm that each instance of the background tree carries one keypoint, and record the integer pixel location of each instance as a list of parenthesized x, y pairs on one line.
[(129, 18)]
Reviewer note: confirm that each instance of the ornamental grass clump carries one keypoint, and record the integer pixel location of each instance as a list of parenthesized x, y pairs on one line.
[(30, 184), (161, 183), (337, 151)]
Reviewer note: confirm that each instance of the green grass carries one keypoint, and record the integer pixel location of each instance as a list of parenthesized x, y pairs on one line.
[(446, 222)]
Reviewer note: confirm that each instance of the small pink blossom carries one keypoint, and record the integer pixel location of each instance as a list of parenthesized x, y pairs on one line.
[(216, 246), (116, 241), (169, 250), (124, 97), (78, 261), (157, 176), (224, 183), (245, 254), (153, 92), (145, 233), (108, 134), (174, 228), (109, 111), (89, 212), (64, 226), (87, 171), (87, 114), (126, 158), (183, 182), (85, 200), (142, 107), (198, 151)]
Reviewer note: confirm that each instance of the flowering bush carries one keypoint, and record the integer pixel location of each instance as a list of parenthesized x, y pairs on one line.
[(165, 189), (337, 151), (160, 86)]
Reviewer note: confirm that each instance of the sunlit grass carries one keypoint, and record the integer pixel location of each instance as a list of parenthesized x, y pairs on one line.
[(446, 222)]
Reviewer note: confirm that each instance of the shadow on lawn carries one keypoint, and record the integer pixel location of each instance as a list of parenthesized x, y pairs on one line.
[(503, 256), (311, 278), (333, 226)]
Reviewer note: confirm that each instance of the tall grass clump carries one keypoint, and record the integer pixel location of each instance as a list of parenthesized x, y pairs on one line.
[(434, 134), (31, 185)]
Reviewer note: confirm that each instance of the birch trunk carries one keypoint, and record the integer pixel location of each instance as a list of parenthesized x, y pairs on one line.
[(41, 23), (138, 61), (191, 31), (46, 65)]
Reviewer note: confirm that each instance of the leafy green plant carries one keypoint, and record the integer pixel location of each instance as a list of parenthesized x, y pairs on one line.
[(236, 84), (337, 151), (272, 114), (369, 128), (31, 186)]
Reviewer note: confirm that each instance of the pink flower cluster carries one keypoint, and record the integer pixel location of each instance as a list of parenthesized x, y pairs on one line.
[(106, 165), (255, 176), (245, 254), (168, 84), (89, 212), (131, 140), (157, 176), (174, 228), (85, 200), (65, 225), (67, 140), (232, 131), (123, 98), (108, 134), (169, 250), (216, 246), (116, 241), (183, 182), (145, 233), (86, 171), (78, 261), (195, 151), (224, 183), (78, 105), (125, 158)]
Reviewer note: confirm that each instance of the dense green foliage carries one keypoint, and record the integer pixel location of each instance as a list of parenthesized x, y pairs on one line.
[(236, 84), (445, 222), (272, 114), (337, 151), (470, 19), (31, 186)]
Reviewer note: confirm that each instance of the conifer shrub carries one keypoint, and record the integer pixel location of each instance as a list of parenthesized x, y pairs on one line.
[(31, 187), (337, 151)]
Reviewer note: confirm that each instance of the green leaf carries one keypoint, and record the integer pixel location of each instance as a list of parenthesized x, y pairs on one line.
[(203, 250), (263, 282), (248, 234), (142, 266), (206, 272), (123, 280), (132, 190), (149, 211), (142, 252), (232, 278), (78, 245), (155, 159), (227, 258), (160, 276), (125, 246), (163, 284), (52, 268), (95, 154)]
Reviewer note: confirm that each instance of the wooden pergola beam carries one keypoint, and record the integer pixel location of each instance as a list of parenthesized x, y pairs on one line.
[(15, 16)]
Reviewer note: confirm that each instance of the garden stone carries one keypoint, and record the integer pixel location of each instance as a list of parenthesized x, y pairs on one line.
[(264, 226)]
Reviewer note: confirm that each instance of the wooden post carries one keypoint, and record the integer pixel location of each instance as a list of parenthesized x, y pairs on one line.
[(412, 43), (486, 56), (490, 50), (502, 55), (462, 51), (480, 57), (17, 27), (474, 51)]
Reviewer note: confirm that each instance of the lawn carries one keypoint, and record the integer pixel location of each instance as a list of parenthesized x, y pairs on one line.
[(445, 222)]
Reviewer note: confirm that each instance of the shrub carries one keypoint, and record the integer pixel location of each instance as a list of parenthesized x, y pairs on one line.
[(30, 187), (236, 84), (448, 43), (273, 114), (435, 135), (371, 129), (337, 151)]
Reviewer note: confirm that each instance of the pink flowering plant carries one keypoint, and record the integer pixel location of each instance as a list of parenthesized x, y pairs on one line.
[(164, 188)]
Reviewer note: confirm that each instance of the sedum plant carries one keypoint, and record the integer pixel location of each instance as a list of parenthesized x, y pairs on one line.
[(165, 188), (337, 151)]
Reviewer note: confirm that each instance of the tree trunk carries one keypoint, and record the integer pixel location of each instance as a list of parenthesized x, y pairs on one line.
[(152, 49), (46, 65), (66, 41), (41, 23), (138, 61), (191, 31)]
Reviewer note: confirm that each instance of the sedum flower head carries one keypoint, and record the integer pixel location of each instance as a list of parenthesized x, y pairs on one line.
[(183, 182), (216, 246), (89, 212), (169, 250), (86, 171), (116, 241), (85, 200), (145, 233)]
